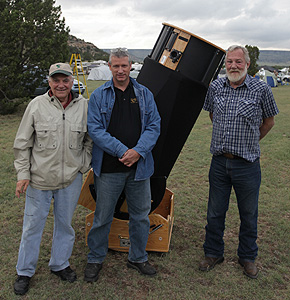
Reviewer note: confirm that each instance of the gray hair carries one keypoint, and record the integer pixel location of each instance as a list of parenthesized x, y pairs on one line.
[(120, 52), (244, 49)]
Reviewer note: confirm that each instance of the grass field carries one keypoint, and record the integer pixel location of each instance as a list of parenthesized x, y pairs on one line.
[(178, 276)]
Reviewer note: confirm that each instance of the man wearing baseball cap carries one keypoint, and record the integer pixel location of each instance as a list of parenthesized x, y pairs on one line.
[(52, 151)]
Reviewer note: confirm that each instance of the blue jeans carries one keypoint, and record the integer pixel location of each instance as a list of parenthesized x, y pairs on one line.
[(108, 188), (245, 178), (37, 207)]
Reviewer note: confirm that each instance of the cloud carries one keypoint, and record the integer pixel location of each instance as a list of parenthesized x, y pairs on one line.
[(137, 24), (187, 10)]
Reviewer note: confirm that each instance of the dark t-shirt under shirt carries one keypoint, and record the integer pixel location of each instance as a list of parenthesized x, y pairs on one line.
[(125, 125)]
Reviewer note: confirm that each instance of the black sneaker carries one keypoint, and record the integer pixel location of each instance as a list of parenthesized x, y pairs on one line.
[(92, 272), (144, 268), (21, 285), (66, 274)]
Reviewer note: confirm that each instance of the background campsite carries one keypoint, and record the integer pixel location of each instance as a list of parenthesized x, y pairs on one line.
[(178, 276)]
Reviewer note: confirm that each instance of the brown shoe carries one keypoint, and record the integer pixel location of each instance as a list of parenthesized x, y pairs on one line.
[(250, 268), (209, 263)]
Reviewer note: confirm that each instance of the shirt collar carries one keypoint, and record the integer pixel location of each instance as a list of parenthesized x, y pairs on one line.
[(129, 86), (246, 82)]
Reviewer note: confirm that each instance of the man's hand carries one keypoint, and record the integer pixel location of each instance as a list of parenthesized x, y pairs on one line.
[(130, 157), (21, 187)]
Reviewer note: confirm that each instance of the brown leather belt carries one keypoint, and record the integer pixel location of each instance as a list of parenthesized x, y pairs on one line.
[(231, 156)]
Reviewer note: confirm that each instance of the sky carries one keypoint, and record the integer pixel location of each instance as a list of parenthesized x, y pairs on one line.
[(136, 24)]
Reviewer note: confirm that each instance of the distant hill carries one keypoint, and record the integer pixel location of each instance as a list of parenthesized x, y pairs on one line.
[(274, 58), (137, 55), (140, 53), (88, 51), (266, 57)]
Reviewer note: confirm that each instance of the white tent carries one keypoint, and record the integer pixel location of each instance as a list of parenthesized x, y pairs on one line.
[(136, 67), (135, 70), (100, 73), (100, 62), (134, 74)]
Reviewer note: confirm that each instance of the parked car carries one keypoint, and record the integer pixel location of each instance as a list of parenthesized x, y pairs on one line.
[(286, 78), (44, 87), (75, 87)]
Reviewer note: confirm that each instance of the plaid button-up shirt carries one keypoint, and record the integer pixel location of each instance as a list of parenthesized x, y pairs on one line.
[(238, 114)]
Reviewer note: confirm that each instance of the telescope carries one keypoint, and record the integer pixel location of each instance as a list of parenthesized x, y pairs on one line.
[(178, 72)]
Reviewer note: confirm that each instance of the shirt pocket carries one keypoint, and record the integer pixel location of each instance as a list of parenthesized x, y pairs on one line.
[(46, 136), (77, 133), (248, 109), (105, 116), (218, 108)]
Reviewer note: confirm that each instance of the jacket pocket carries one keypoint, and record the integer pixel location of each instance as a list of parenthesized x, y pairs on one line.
[(77, 133), (46, 136)]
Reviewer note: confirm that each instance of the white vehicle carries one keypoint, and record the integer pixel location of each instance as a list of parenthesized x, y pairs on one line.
[(285, 78), (76, 89)]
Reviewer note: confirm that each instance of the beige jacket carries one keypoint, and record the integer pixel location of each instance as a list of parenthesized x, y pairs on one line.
[(52, 144)]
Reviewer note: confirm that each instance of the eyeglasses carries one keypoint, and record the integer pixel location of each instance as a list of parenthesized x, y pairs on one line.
[(119, 49)]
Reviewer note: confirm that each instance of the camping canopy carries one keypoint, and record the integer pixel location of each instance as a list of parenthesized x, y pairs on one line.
[(136, 66), (268, 77), (100, 73)]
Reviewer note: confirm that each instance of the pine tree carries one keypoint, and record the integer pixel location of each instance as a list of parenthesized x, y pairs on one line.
[(33, 36), (254, 53)]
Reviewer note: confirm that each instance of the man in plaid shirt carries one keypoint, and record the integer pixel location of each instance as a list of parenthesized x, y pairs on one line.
[(242, 110)]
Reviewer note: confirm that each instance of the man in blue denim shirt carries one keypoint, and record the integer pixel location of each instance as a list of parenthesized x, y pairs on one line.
[(242, 111), (124, 125)]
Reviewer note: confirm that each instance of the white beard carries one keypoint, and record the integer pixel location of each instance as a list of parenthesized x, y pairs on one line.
[(236, 77)]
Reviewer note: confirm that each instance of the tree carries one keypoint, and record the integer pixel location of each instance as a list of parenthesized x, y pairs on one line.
[(33, 36), (254, 53)]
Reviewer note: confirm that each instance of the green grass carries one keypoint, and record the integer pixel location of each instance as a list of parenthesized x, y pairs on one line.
[(178, 276)]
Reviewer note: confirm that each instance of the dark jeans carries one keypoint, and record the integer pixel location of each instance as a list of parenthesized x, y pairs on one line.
[(138, 196), (245, 178)]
